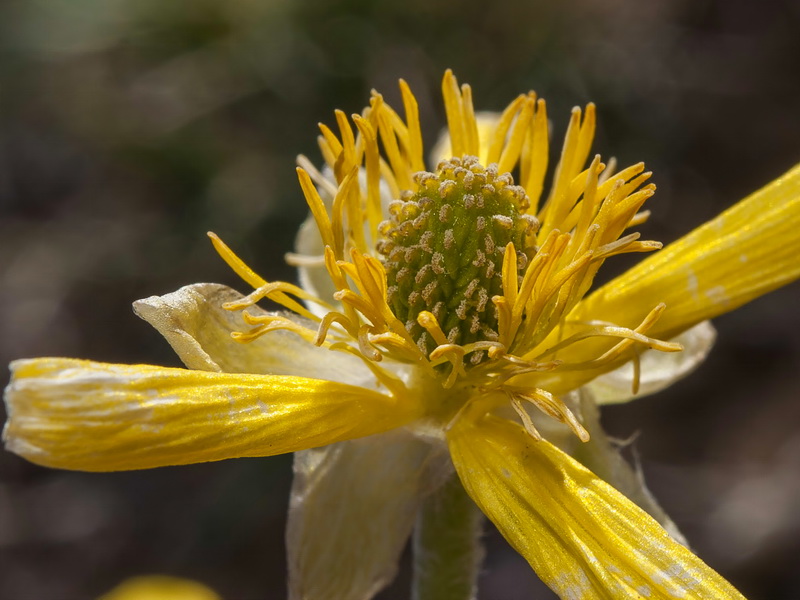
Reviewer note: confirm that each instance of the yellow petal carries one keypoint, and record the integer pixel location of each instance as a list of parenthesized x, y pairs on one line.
[(160, 587), (748, 250), (365, 491), (83, 415), (582, 537), (199, 330)]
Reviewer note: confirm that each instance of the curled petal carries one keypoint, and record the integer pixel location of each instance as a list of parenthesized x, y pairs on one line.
[(583, 538), (83, 415), (199, 330)]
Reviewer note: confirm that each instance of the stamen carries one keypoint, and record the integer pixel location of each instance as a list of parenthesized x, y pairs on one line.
[(639, 218), (455, 355), (361, 305), (414, 133), (527, 422), (318, 178), (431, 325), (236, 263), (317, 207), (270, 323), (629, 337), (500, 134), (551, 406), (637, 373), (535, 156), (462, 236), (372, 166), (391, 382), (513, 147), (276, 291), (364, 345), (328, 320)]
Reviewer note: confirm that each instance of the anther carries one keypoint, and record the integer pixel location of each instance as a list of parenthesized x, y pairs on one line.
[(428, 291), (421, 221), (425, 241), (438, 310), (504, 180), (461, 311), (446, 187), (475, 323), (503, 221), (422, 274), (480, 259), (437, 263), (449, 239), (471, 287), (483, 299)]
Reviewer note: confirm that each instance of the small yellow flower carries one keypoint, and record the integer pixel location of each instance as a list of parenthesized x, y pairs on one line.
[(160, 587), (453, 301)]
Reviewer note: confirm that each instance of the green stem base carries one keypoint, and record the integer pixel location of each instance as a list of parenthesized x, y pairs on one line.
[(447, 548)]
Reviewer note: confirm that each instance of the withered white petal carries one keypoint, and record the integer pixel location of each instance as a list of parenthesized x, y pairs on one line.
[(352, 509), (198, 328)]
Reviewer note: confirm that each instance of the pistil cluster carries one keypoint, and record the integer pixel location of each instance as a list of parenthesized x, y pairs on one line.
[(443, 248)]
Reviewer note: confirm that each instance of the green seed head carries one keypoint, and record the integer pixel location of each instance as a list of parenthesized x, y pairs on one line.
[(443, 249)]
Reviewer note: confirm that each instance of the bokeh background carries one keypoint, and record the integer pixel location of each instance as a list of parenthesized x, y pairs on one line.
[(131, 127)]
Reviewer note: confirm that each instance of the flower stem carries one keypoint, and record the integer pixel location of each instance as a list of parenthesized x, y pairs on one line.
[(447, 548)]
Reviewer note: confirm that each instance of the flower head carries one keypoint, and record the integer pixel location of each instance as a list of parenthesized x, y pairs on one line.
[(453, 300)]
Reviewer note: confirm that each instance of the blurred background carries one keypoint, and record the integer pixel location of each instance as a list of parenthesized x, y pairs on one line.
[(131, 127)]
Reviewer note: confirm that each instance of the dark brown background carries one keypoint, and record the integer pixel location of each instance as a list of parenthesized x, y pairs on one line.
[(130, 127)]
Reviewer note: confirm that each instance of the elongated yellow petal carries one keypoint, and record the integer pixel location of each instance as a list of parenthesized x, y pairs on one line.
[(83, 415), (748, 250), (581, 536)]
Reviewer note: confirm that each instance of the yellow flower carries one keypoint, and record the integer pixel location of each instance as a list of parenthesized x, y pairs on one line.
[(160, 587), (437, 309)]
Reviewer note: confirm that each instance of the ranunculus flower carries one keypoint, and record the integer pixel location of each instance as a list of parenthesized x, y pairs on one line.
[(449, 327)]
